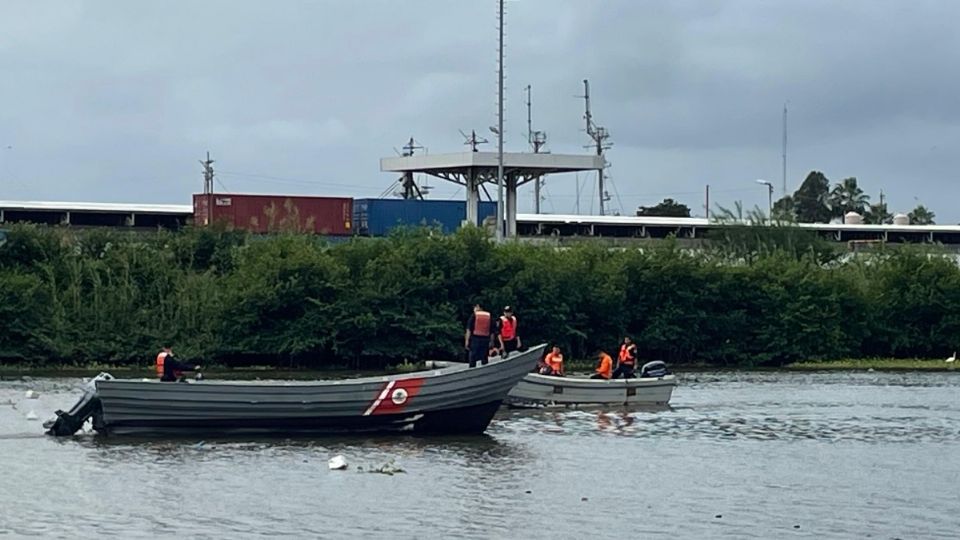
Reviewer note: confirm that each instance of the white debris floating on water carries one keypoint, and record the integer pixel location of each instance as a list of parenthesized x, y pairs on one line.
[(32, 394), (31, 415), (337, 463)]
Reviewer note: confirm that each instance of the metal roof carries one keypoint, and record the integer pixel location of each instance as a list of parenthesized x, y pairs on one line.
[(530, 163), (119, 208), (702, 222)]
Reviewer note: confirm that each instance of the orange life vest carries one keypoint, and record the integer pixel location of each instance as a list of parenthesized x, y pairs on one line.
[(628, 354), (481, 324), (605, 369), (554, 362), (160, 360), (508, 328)]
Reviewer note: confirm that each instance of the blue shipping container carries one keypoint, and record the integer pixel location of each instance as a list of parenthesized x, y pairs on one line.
[(377, 217)]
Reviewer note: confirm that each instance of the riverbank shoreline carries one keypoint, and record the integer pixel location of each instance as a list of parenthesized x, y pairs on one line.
[(267, 372)]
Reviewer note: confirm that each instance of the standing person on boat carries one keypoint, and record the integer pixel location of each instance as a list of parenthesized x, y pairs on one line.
[(553, 363), (626, 360), (507, 332), (604, 368), (477, 337), (169, 369)]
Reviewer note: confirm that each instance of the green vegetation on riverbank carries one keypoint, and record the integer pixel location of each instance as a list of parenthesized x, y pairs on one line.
[(878, 364), (757, 296)]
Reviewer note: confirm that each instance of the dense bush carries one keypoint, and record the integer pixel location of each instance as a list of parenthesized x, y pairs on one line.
[(753, 297)]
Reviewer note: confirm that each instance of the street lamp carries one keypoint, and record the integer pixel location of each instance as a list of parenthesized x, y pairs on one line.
[(769, 197)]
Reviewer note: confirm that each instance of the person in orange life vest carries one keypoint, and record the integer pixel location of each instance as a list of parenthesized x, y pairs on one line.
[(626, 360), (553, 363), (169, 369), (604, 368), (477, 337), (507, 332)]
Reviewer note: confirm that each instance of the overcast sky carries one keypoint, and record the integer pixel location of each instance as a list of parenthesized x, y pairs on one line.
[(116, 101)]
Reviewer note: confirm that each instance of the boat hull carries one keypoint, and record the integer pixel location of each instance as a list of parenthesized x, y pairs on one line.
[(545, 390), (451, 400)]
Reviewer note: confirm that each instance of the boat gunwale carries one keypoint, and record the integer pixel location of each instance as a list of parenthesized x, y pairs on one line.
[(288, 384), (598, 384)]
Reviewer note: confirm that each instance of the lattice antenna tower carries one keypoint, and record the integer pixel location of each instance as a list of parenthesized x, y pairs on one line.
[(501, 222), (537, 140), (601, 143)]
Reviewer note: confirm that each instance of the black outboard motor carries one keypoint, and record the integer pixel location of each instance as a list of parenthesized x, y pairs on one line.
[(654, 369), (67, 423)]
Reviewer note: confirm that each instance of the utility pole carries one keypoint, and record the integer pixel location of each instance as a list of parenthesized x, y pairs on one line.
[(784, 194), (208, 186), (536, 139), (599, 135), (500, 201), (707, 202)]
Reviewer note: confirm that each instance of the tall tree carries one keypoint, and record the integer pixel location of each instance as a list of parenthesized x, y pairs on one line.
[(665, 208), (848, 197), (811, 200), (784, 209), (921, 216)]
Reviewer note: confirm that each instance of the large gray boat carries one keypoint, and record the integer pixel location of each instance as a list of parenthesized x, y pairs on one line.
[(454, 399), (654, 387)]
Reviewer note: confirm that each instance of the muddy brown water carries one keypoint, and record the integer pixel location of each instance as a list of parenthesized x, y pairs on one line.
[(739, 455)]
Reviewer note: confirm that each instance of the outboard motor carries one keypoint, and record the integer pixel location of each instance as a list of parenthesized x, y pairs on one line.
[(654, 369), (67, 423)]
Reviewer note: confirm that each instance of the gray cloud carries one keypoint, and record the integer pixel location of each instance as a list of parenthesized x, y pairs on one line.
[(116, 101)]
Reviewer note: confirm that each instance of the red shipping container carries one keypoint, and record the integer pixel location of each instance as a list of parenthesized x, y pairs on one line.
[(275, 213)]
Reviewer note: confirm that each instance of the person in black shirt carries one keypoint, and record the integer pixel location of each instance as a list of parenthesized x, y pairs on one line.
[(172, 368)]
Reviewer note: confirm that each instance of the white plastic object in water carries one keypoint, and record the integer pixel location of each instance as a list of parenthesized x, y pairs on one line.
[(337, 463), (31, 415), (32, 394)]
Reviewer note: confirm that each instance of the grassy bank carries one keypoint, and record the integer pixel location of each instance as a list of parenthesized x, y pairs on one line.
[(879, 364)]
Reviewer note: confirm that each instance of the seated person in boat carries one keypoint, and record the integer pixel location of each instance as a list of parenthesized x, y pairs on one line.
[(604, 367), (169, 369), (626, 360), (553, 363)]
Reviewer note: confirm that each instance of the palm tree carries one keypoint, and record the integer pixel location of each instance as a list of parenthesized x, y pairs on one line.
[(921, 216), (848, 197)]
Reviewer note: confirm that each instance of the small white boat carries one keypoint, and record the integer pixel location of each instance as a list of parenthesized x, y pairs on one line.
[(537, 390)]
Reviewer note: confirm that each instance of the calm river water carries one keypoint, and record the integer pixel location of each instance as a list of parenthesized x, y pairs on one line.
[(740, 455)]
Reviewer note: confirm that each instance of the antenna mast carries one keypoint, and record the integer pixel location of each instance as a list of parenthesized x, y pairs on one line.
[(410, 188), (500, 201), (472, 140), (208, 186), (784, 149), (599, 135), (536, 139)]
